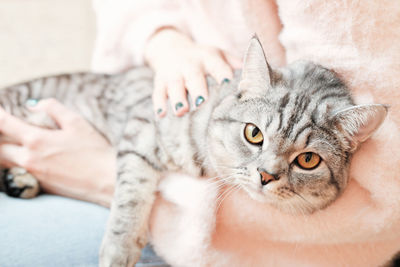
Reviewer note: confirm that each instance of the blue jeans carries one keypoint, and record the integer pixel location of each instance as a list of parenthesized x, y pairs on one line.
[(54, 231)]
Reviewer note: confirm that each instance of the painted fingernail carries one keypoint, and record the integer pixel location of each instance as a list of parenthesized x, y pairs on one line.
[(10, 177), (178, 106), (199, 100), (31, 102), (159, 111), (226, 80)]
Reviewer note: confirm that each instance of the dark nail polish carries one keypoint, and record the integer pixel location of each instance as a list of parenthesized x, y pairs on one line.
[(31, 102), (199, 100), (159, 111), (226, 80), (178, 106), (10, 177)]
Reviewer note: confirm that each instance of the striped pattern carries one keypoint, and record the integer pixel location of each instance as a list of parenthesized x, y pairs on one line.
[(296, 113)]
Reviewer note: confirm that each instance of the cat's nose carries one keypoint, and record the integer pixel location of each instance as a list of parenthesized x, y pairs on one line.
[(266, 177)]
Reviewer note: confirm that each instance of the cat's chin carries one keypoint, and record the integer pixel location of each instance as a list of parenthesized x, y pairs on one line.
[(290, 205)]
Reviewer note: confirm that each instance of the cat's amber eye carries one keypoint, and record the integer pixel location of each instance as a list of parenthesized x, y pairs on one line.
[(253, 134), (308, 160)]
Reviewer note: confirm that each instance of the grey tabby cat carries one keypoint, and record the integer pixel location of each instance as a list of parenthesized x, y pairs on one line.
[(286, 136)]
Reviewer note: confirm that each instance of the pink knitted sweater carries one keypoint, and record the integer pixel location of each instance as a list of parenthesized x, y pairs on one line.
[(358, 39)]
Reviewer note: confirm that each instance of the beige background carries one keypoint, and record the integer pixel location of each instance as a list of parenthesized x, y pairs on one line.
[(39, 37)]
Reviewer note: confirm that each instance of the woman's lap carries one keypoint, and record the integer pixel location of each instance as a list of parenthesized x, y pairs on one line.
[(50, 231), (53, 231)]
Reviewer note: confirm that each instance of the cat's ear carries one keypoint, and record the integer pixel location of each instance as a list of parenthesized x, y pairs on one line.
[(358, 123), (256, 72)]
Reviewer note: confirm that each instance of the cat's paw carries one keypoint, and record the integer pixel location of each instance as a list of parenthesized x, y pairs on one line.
[(19, 183), (113, 254)]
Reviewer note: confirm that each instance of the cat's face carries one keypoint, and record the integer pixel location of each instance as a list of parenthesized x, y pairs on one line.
[(287, 137)]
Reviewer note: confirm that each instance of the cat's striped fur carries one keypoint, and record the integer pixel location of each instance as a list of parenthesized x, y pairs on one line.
[(301, 108)]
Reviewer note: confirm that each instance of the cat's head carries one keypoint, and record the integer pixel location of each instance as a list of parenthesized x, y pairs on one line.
[(286, 136)]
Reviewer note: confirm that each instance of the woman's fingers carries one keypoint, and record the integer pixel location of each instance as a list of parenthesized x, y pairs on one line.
[(160, 97), (234, 61), (13, 155), (177, 96), (171, 89), (58, 112), (217, 67), (17, 129), (196, 85), (186, 74)]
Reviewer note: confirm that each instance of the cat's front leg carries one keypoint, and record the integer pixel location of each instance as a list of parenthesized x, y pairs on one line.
[(126, 233)]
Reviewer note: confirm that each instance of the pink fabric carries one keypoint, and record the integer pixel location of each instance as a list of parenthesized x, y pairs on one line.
[(359, 40), (124, 26)]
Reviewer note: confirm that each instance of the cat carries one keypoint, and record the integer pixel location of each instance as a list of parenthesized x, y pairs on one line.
[(285, 136)]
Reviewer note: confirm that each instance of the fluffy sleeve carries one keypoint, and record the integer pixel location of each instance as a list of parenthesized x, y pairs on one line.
[(361, 228), (123, 28)]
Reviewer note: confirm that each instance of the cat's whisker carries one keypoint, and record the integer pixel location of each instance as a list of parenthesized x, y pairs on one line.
[(229, 191), (220, 182), (309, 204), (224, 192), (230, 179), (213, 165), (221, 177), (293, 209), (235, 188), (220, 186)]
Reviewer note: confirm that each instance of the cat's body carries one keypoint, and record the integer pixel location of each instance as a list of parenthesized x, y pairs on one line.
[(285, 137), (120, 108)]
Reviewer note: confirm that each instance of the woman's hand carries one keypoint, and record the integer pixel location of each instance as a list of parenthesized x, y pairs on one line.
[(180, 66), (73, 161)]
